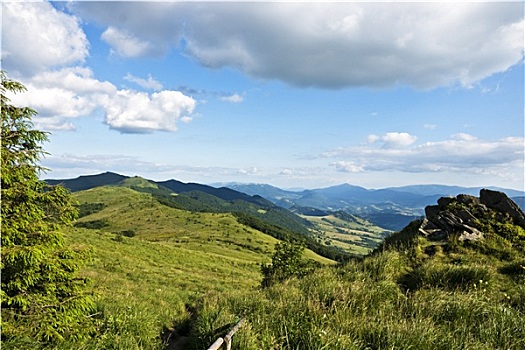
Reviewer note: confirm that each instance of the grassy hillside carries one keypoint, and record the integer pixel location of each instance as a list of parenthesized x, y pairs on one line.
[(125, 212), (412, 293), (162, 272), (151, 264)]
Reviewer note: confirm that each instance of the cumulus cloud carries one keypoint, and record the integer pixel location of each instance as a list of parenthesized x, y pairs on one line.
[(125, 44), (235, 98), (347, 167), (36, 36), (393, 139), (133, 28), (138, 112), (372, 138), (398, 139), (462, 153), (334, 45), (149, 83), (60, 96), (63, 94)]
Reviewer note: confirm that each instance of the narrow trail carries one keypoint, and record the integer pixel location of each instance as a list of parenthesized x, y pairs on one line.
[(177, 343)]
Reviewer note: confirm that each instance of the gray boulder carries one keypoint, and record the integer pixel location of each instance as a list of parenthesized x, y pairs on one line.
[(444, 201), (499, 201)]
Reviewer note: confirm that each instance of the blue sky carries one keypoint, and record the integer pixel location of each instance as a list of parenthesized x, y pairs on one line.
[(290, 94)]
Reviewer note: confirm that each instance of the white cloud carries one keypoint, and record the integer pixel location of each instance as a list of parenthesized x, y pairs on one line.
[(249, 171), (430, 126), (125, 44), (334, 45), (464, 137), (138, 112), (235, 98), (372, 138), (149, 83), (64, 94), (347, 167), (54, 123), (135, 29), (461, 154), (35, 36), (398, 139), (60, 96), (392, 139), (69, 165)]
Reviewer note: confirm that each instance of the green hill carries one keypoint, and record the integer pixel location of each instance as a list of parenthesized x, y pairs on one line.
[(337, 236), (253, 211), (182, 268), (152, 264), (126, 212), (166, 276), (455, 280)]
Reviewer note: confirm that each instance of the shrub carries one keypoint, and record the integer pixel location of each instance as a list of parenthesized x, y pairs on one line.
[(286, 262), (93, 224), (86, 209), (128, 233)]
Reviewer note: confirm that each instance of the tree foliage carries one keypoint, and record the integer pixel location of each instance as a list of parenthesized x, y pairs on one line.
[(286, 263), (41, 296)]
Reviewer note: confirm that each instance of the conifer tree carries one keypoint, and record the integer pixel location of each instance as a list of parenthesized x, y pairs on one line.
[(42, 299)]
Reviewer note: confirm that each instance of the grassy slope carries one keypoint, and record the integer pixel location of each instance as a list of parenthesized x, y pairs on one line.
[(357, 236), (148, 282), (126, 209), (412, 295)]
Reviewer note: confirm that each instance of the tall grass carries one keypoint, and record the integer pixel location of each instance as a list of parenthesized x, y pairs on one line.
[(364, 305)]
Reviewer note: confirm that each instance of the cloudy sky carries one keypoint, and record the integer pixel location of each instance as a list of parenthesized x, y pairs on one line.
[(290, 94)]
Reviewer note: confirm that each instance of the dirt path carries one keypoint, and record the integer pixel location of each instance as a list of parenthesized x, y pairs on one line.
[(177, 343)]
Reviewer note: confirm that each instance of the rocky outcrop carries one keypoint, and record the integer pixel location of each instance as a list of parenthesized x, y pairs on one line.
[(446, 223), (460, 215), (503, 204)]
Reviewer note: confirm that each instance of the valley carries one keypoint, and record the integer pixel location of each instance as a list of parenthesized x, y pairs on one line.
[(349, 232)]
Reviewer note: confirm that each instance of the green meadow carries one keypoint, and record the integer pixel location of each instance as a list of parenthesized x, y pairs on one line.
[(151, 264), (165, 278)]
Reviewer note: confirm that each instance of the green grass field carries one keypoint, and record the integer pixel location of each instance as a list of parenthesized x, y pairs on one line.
[(159, 271), (148, 284), (460, 299)]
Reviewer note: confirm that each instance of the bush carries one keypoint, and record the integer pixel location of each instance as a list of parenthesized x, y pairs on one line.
[(86, 209), (93, 224), (286, 262), (128, 233)]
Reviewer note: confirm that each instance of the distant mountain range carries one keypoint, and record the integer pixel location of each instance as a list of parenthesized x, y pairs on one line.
[(392, 208)]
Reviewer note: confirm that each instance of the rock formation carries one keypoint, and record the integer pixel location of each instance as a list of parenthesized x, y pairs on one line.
[(461, 214), (503, 204)]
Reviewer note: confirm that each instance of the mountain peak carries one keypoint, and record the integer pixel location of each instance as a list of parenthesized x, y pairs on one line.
[(85, 182)]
